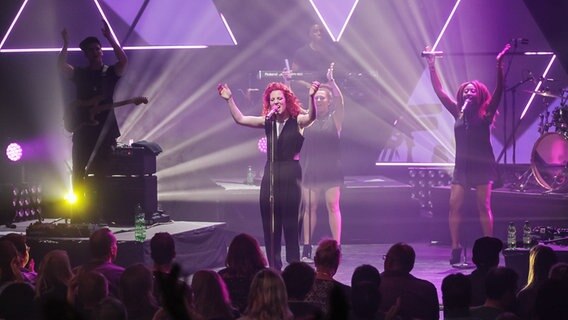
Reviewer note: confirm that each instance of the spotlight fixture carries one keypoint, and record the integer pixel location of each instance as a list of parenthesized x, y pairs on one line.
[(14, 152), (262, 145), (21, 202), (422, 180)]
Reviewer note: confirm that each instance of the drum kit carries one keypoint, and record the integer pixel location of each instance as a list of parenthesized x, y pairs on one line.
[(549, 156)]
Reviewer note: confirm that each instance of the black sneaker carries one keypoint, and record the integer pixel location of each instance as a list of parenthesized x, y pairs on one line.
[(307, 254), (456, 256)]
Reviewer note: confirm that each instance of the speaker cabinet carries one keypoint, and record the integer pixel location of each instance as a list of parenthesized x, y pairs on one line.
[(115, 198)]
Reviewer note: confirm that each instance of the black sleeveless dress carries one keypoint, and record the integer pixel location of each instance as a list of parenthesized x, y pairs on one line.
[(475, 163), (321, 155), (287, 193)]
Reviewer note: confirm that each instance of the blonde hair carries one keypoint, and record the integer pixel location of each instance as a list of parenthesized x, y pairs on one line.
[(268, 299), (55, 268), (541, 260)]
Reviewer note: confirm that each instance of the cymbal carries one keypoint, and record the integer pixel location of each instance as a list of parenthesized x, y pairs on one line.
[(544, 94)]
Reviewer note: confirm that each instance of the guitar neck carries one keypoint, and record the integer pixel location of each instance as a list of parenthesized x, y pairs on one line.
[(114, 105), (120, 103)]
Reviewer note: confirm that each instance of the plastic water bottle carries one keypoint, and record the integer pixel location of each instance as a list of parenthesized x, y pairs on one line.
[(527, 239), (139, 224), (250, 176), (511, 236)]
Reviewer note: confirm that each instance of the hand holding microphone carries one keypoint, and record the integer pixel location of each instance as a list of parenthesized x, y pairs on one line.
[(428, 54), (531, 77), (465, 105), (272, 112), (287, 72)]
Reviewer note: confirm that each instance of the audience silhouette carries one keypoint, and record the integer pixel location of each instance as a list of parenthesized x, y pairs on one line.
[(246, 289)]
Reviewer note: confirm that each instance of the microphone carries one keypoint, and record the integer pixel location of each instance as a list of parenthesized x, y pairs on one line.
[(432, 54), (516, 41), (541, 78), (253, 89), (465, 104), (272, 112), (532, 78)]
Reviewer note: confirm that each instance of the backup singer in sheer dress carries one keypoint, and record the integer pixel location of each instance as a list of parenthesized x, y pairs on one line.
[(321, 162)]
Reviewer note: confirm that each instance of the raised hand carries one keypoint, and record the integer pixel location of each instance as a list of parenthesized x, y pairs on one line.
[(65, 36), (314, 88), (174, 294), (429, 58), (106, 30), (502, 53), (31, 265), (391, 313), (287, 75), (330, 77), (224, 91), (15, 266)]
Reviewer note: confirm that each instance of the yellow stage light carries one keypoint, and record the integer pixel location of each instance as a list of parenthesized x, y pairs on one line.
[(71, 198)]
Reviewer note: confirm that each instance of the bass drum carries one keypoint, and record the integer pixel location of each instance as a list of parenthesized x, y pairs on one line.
[(549, 161)]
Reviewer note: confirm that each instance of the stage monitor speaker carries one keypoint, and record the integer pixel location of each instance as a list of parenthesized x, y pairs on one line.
[(116, 198), (133, 161)]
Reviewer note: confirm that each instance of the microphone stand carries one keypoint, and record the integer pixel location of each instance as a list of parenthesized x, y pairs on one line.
[(271, 159), (516, 124)]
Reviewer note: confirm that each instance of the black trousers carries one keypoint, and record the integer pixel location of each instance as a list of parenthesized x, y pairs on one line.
[(287, 197), (83, 148)]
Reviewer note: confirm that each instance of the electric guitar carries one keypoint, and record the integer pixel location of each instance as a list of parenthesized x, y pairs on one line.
[(82, 112)]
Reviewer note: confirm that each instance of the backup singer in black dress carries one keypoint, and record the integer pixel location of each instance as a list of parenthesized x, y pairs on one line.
[(290, 124), (321, 162), (475, 165)]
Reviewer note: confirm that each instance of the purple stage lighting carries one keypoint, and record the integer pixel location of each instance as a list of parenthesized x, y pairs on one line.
[(14, 152)]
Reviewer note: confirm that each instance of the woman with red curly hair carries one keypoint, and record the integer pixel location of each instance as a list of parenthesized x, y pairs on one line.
[(281, 105), (475, 165)]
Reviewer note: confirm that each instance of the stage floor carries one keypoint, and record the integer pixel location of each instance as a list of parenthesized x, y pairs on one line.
[(199, 245), (375, 209)]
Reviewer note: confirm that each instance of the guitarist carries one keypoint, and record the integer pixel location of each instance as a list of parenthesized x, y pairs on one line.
[(92, 145)]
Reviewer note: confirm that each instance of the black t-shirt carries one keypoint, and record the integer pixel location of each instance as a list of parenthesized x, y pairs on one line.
[(309, 60), (90, 83)]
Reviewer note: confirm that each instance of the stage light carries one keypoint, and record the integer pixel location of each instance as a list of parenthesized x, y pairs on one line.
[(14, 152), (71, 198), (20, 203), (262, 145), (334, 24), (422, 181), (412, 173)]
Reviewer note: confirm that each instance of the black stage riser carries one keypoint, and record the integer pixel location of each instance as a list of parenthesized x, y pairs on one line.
[(198, 246), (370, 215), (117, 197), (539, 209), (384, 214)]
